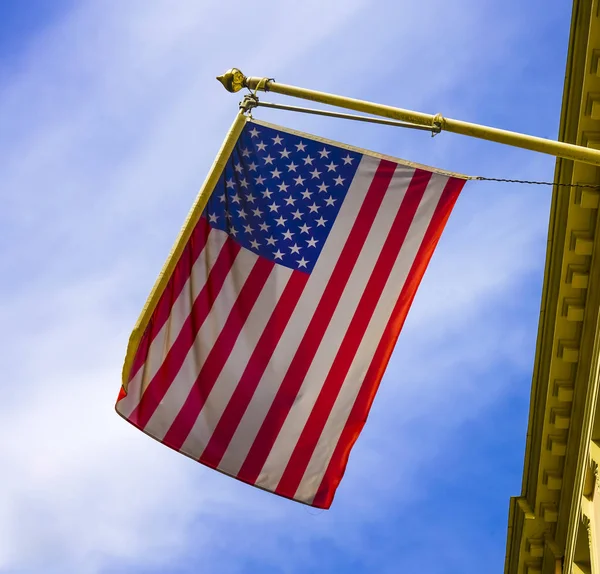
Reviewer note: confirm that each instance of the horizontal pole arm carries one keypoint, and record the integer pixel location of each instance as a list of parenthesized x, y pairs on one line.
[(234, 80)]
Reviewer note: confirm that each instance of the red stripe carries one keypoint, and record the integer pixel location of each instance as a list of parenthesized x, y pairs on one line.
[(303, 451), (292, 381), (244, 391), (160, 383), (172, 291), (218, 355), (360, 410)]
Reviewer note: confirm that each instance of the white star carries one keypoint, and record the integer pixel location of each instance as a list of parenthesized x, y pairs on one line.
[(242, 214), (264, 227), (314, 208), (274, 207), (222, 198), (295, 249), (311, 242), (233, 231), (302, 263), (300, 146), (277, 140), (297, 214), (257, 212), (304, 228), (306, 194), (269, 159), (212, 218), (299, 180), (347, 159), (266, 193), (324, 153), (285, 153), (321, 222), (259, 180), (290, 200), (315, 173), (287, 234), (252, 167), (329, 201), (235, 198), (292, 166), (331, 167), (228, 216), (230, 184), (250, 198), (278, 254), (261, 146), (271, 240), (283, 186), (339, 180), (281, 220), (254, 132), (245, 152), (244, 183), (275, 173), (323, 187), (308, 160), (254, 244), (239, 168), (248, 229)]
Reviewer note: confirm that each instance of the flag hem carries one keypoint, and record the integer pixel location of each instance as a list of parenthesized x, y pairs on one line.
[(180, 242), (364, 151), (325, 506)]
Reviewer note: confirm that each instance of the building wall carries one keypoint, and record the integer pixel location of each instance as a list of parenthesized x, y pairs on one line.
[(552, 525)]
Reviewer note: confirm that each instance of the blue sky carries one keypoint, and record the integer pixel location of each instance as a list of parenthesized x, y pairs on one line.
[(110, 117)]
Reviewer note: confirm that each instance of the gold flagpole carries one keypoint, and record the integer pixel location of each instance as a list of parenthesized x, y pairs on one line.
[(233, 80)]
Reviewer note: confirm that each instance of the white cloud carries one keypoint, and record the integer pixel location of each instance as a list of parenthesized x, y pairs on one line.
[(111, 124)]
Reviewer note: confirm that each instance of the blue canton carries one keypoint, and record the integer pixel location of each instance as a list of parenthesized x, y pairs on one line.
[(279, 194)]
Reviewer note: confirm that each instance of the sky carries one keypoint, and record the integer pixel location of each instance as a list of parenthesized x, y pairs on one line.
[(110, 117)]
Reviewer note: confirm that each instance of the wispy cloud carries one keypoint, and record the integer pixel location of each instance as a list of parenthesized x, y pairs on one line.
[(109, 123)]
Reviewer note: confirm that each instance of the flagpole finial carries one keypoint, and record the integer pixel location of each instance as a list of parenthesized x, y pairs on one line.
[(233, 80)]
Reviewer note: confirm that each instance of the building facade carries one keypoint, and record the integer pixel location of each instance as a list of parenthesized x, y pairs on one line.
[(554, 526)]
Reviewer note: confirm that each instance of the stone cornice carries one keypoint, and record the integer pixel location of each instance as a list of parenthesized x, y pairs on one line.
[(564, 386)]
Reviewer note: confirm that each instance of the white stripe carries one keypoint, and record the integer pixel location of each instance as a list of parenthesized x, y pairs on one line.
[(184, 381), (331, 433), (337, 329), (170, 330), (292, 335), (236, 363)]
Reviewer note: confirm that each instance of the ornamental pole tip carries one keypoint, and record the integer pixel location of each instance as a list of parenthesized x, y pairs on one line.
[(233, 80)]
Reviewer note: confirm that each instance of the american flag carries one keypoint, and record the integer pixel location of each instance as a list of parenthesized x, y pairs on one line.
[(265, 349)]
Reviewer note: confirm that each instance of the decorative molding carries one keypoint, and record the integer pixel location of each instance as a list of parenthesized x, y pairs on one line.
[(549, 512), (568, 343), (536, 547), (557, 445), (587, 523)]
